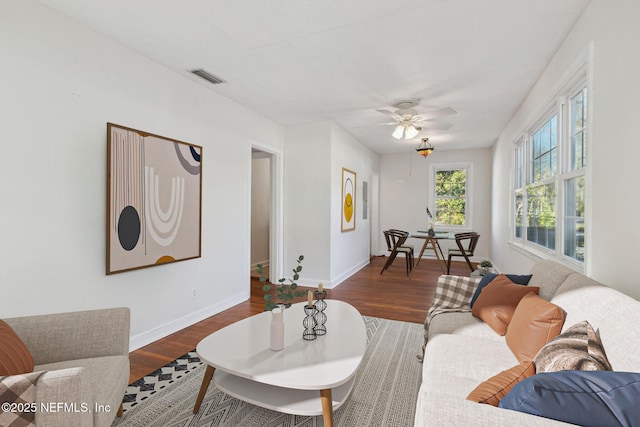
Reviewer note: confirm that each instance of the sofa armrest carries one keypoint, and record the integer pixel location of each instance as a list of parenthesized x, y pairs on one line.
[(77, 335), (64, 397)]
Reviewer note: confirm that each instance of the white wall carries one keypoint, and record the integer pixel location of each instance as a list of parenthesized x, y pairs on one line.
[(314, 156), (307, 207), (404, 194), (350, 250), (61, 83), (613, 231)]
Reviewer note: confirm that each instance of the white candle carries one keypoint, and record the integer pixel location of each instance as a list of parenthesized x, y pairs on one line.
[(309, 299), (320, 287)]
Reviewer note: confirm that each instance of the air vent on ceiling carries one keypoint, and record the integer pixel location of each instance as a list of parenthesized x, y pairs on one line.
[(208, 76)]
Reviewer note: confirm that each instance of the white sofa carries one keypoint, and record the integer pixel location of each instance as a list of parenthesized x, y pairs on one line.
[(462, 351), (85, 356)]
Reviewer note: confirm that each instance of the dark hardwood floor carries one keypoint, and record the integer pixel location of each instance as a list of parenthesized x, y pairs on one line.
[(391, 295)]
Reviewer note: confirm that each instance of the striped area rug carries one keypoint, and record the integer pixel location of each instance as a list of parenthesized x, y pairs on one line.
[(384, 393)]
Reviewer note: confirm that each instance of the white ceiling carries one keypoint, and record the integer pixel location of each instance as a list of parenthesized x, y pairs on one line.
[(298, 61)]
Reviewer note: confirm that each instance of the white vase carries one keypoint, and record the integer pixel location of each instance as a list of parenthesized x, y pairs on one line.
[(277, 329)]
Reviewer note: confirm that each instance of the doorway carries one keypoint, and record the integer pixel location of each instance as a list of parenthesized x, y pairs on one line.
[(266, 210)]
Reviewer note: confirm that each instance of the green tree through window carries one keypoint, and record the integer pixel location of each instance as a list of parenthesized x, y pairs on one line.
[(451, 197)]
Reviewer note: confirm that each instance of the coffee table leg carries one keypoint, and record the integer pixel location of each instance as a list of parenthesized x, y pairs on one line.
[(203, 388), (327, 407)]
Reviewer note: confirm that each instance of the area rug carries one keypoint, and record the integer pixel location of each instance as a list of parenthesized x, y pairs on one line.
[(384, 393)]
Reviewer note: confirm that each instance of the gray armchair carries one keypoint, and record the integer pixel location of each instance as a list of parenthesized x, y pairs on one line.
[(86, 358)]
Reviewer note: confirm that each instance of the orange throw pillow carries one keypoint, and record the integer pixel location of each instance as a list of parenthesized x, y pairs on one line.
[(497, 302), (535, 322), (15, 357), (495, 388)]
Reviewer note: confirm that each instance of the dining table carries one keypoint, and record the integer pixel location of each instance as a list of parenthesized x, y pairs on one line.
[(432, 239)]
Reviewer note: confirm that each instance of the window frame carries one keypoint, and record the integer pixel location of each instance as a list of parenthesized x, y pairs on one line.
[(560, 105), (468, 214)]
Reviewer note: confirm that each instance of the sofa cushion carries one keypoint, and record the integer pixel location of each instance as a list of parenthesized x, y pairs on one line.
[(534, 323), (577, 348), (495, 388), (519, 279), (466, 356), (610, 312), (497, 302), (461, 324), (549, 276), (586, 398), (15, 357), (435, 409)]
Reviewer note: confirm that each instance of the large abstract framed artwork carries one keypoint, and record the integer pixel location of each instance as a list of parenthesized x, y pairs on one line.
[(154, 196), (348, 200)]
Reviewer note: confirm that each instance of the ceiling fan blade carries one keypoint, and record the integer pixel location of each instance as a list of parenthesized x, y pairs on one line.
[(434, 125), (437, 113), (388, 124), (390, 114)]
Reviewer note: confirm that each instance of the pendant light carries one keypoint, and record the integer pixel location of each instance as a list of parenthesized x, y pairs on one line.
[(425, 148)]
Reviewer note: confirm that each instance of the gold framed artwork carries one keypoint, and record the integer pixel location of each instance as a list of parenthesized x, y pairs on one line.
[(348, 209), (154, 199)]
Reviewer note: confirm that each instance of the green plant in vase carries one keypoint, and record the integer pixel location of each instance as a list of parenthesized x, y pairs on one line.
[(285, 292)]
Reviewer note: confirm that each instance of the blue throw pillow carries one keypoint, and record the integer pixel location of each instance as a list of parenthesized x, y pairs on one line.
[(586, 398), (518, 279)]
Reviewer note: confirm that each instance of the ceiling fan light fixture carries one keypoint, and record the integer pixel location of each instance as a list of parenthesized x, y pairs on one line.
[(425, 148), (398, 132), (411, 132)]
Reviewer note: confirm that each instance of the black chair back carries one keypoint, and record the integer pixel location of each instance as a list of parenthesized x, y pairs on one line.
[(395, 244), (466, 243)]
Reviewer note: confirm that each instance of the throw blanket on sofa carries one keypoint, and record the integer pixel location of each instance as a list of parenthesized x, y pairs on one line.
[(18, 397), (453, 294)]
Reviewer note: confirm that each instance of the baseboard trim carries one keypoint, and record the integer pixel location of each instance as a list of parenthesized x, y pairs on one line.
[(255, 265), (147, 337), (344, 276)]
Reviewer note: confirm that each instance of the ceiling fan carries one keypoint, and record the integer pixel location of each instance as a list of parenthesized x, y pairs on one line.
[(409, 123)]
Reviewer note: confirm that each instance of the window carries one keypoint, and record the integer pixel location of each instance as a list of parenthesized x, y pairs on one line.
[(574, 183), (451, 195), (550, 164), (519, 188), (541, 192)]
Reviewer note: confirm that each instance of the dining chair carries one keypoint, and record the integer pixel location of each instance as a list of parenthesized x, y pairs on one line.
[(396, 240), (404, 247), (466, 243)]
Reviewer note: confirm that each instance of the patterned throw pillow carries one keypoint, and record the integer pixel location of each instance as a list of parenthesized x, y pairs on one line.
[(19, 393), (578, 349)]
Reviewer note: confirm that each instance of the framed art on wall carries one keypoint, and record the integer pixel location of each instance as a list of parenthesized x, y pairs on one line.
[(348, 210), (154, 198)]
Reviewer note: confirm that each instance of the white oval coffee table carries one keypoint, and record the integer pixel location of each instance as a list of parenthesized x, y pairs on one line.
[(305, 378)]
